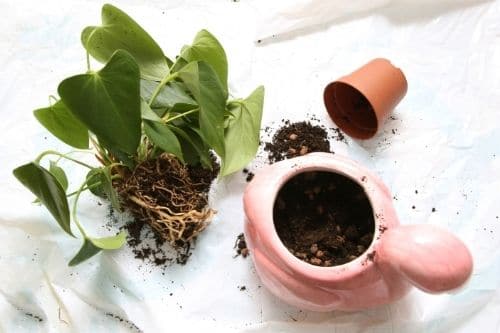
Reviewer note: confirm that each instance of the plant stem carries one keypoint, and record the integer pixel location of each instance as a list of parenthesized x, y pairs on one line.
[(53, 152), (234, 101), (91, 187), (163, 82), (88, 62), (75, 217), (167, 120), (102, 156), (52, 98)]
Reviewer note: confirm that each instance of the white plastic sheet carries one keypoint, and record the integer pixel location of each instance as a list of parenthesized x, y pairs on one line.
[(445, 146)]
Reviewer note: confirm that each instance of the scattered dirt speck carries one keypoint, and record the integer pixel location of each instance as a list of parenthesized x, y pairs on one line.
[(241, 246), (129, 324)]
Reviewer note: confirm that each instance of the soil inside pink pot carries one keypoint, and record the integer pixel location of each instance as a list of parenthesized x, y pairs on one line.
[(324, 218)]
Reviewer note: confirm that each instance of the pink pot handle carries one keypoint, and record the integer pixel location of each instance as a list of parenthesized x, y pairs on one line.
[(430, 258)]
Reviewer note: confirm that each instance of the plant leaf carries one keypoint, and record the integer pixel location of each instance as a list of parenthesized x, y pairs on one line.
[(242, 135), (206, 88), (110, 243), (171, 94), (147, 113), (95, 182), (120, 31), (59, 174), (193, 148), (59, 121), (108, 102), (162, 136), (87, 251), (105, 189), (207, 48), (48, 190)]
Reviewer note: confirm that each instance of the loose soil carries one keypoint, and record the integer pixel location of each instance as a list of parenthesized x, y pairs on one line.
[(324, 218), (169, 203), (241, 246), (297, 139)]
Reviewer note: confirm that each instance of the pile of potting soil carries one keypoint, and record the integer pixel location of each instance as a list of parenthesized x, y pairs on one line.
[(297, 139), (324, 218)]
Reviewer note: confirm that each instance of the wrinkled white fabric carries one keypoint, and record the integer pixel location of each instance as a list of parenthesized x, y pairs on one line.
[(445, 145)]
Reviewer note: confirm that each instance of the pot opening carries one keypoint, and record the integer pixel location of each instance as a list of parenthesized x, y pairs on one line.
[(351, 110), (323, 218)]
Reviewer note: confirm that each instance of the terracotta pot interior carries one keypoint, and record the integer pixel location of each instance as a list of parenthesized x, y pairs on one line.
[(351, 111), (324, 218)]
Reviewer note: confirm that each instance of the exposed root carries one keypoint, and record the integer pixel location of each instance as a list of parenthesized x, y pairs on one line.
[(161, 193)]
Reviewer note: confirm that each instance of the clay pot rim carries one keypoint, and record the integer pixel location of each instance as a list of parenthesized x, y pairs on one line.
[(336, 115), (370, 184), (367, 81)]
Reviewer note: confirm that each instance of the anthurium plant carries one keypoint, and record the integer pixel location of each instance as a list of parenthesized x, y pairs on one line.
[(143, 110)]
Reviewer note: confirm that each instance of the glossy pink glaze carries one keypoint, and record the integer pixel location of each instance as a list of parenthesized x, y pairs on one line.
[(361, 283)]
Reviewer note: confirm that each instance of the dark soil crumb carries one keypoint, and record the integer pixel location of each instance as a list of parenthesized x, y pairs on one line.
[(338, 135), (371, 255), (130, 324), (297, 139), (250, 176), (147, 244), (34, 316), (324, 218), (433, 209), (241, 246)]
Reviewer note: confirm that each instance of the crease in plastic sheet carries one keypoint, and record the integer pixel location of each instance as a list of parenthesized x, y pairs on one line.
[(441, 142)]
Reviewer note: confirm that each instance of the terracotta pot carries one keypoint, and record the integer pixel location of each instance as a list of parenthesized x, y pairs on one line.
[(398, 258), (360, 102)]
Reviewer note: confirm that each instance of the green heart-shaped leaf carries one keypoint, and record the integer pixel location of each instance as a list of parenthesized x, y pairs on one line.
[(170, 95), (95, 182), (59, 174), (207, 48), (242, 134), (120, 31), (162, 136), (87, 251), (48, 190), (206, 88), (59, 121), (91, 246), (110, 243), (193, 148), (147, 113), (108, 102)]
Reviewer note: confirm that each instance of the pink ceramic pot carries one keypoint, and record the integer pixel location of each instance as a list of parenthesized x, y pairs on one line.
[(398, 258)]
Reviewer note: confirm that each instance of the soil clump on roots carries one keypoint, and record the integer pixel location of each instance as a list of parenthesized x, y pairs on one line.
[(172, 199)]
